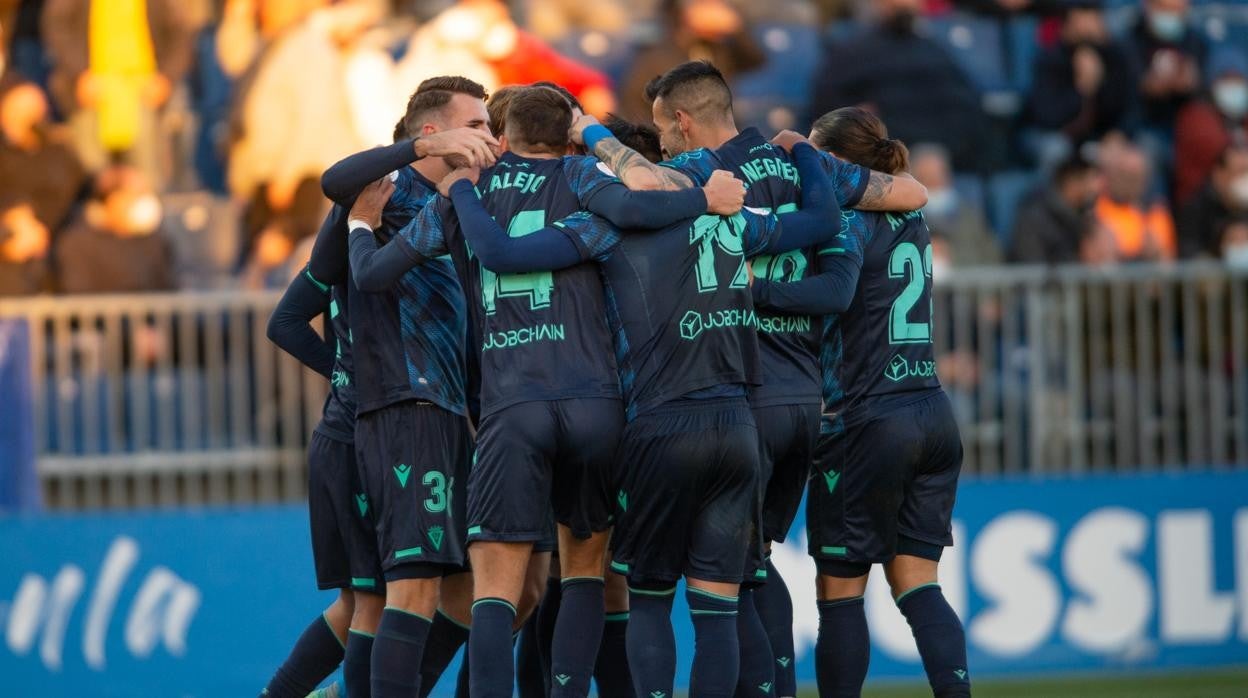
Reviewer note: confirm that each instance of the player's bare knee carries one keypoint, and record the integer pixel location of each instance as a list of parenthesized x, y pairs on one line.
[(456, 598), (830, 588), (419, 596), (717, 588), (582, 557), (616, 593), (500, 569), (367, 613), (906, 572)]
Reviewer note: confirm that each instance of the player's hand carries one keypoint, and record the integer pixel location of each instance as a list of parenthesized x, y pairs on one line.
[(787, 139), (460, 147), (576, 133), (725, 194), (370, 203), (469, 173)]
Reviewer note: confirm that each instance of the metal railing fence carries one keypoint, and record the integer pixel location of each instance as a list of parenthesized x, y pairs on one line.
[(152, 400)]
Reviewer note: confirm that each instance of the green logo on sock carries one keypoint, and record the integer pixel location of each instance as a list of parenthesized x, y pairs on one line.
[(622, 498), (765, 687), (657, 694), (361, 501), (402, 471), (563, 679), (830, 478), (960, 673), (783, 661), (435, 537)]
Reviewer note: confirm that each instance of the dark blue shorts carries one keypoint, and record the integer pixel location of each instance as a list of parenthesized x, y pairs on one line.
[(413, 463), (689, 492), (344, 548), (886, 486), (786, 436), (537, 457)]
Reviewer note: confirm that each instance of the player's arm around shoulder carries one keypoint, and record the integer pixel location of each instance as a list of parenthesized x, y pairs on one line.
[(633, 169)]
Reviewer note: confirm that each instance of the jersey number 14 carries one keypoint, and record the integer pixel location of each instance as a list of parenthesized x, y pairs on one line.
[(537, 286)]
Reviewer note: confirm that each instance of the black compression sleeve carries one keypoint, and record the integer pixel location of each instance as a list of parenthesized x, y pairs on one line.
[(290, 325), (345, 179), (650, 210)]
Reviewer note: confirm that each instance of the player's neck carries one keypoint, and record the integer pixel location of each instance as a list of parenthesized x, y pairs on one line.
[(716, 136), (432, 169), (534, 155)]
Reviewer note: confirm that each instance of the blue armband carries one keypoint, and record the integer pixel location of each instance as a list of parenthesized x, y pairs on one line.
[(593, 134)]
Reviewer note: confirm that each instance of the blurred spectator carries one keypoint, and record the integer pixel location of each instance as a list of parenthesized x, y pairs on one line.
[(1097, 245), (1169, 53), (38, 168), (1224, 196), (1008, 7), (1206, 127), (115, 245), (959, 223), (1081, 88), (1234, 242), (1049, 225), (710, 30), (1139, 221), (554, 19), (116, 65), (909, 80)]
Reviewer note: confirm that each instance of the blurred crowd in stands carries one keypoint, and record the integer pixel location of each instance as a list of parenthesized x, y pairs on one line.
[(159, 144)]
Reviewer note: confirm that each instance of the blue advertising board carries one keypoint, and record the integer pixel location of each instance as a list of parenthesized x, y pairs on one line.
[(1054, 575)]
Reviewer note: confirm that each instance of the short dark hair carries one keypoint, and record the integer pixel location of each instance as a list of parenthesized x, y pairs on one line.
[(498, 104), (641, 138), (696, 88), (432, 95), (567, 94), (1074, 166), (539, 119)]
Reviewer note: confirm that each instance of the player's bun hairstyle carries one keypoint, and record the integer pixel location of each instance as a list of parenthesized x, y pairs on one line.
[(497, 107), (567, 94), (696, 88), (538, 119), (432, 95), (641, 138), (857, 135)]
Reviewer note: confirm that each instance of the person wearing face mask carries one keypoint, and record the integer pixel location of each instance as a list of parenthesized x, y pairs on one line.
[(1207, 126), (1049, 225), (1234, 242), (959, 224), (908, 80), (1168, 54), (1081, 87), (1224, 196), (115, 244)]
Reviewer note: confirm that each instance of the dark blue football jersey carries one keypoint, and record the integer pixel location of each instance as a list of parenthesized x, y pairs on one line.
[(338, 416), (879, 351), (789, 343), (681, 307), (410, 339), (541, 335)]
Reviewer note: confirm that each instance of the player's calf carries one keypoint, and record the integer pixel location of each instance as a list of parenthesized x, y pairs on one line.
[(937, 630), (578, 630), (499, 570), (399, 645)]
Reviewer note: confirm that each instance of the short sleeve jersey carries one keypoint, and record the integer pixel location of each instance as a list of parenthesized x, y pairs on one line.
[(540, 335), (879, 351), (681, 307), (789, 343), (409, 339)]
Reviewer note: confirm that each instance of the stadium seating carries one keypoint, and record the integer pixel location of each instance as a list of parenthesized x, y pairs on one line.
[(775, 95)]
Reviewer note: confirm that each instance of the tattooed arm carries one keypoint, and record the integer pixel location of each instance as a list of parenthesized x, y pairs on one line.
[(886, 192), (631, 167)]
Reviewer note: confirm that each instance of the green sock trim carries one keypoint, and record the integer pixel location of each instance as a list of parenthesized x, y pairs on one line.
[(920, 587), (447, 616), (503, 602), (616, 617), (565, 580), (711, 594), (404, 611), (361, 633), (700, 612), (332, 631), (653, 592), (833, 603)]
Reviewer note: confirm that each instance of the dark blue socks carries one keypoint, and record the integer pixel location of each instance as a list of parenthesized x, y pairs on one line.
[(775, 608), (756, 678), (843, 650), (315, 655), (490, 649), (397, 653), (717, 654), (530, 681), (941, 640), (578, 633), (357, 664), (445, 638), (547, 616), (651, 642), (611, 672)]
